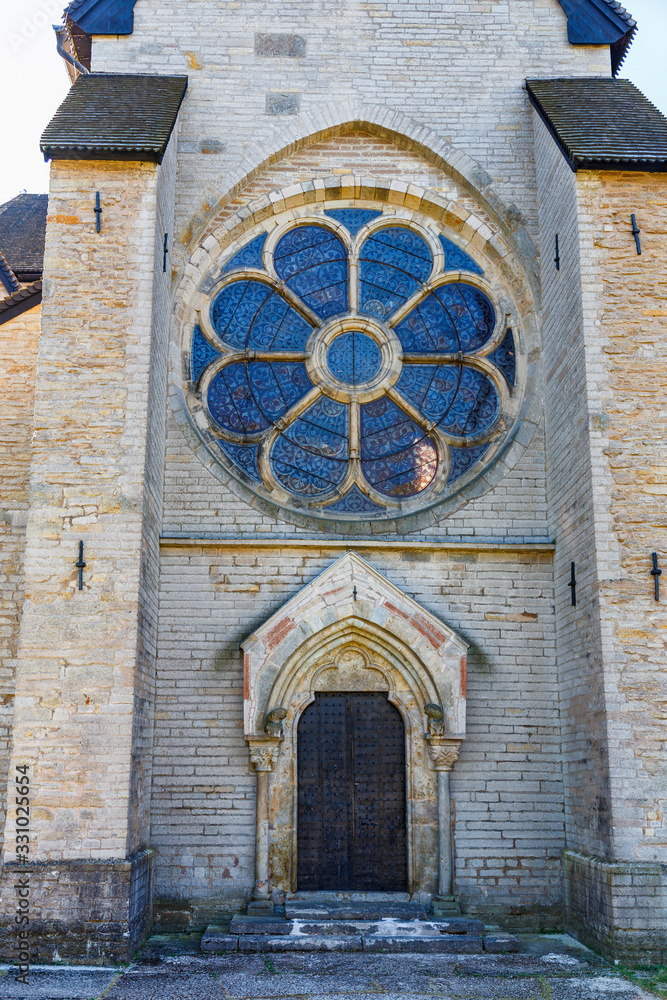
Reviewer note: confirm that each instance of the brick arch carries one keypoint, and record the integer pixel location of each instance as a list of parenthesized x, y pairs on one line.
[(391, 126)]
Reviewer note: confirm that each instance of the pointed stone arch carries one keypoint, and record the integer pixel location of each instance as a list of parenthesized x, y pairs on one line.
[(351, 595), (393, 126), (350, 629)]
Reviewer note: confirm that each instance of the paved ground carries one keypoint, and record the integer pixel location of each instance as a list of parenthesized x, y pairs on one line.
[(551, 967)]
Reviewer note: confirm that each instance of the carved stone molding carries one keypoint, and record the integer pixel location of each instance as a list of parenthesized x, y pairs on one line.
[(264, 754), (444, 751)]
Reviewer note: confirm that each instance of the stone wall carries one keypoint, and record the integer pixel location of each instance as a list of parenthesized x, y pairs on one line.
[(19, 338), (506, 785), (456, 68), (605, 375), (85, 666), (197, 501)]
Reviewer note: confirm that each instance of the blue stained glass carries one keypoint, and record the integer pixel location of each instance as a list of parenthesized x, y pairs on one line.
[(310, 455), (457, 259), (307, 471), (394, 263), (249, 314), (397, 457), (201, 353), (354, 358), (312, 262), (246, 398), (464, 459), (243, 455), (356, 502), (321, 429), (505, 357), (453, 318), (459, 399), (248, 256), (353, 218)]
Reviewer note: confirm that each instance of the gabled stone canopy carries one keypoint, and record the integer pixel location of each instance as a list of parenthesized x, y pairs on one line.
[(351, 599)]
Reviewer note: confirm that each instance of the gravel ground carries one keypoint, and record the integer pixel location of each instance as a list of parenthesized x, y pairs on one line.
[(550, 967)]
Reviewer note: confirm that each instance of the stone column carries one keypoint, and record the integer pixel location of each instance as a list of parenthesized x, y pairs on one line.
[(444, 751), (263, 756)]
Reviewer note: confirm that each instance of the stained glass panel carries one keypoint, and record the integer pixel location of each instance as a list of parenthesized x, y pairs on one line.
[(393, 263), (201, 353), (248, 256), (453, 318), (464, 459), (354, 358), (457, 259), (312, 262), (505, 357), (356, 502), (246, 398), (250, 314), (244, 456), (353, 218), (397, 457)]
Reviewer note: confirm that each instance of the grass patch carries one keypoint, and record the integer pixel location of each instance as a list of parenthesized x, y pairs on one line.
[(651, 978)]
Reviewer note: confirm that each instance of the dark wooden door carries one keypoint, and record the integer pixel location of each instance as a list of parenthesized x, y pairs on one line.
[(351, 785)]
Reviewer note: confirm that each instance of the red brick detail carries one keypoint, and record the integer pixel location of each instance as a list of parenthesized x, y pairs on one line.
[(278, 633), (434, 635), (464, 676), (246, 676), (396, 611)]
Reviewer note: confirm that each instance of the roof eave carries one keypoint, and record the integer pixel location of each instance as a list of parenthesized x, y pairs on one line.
[(100, 153), (20, 305)]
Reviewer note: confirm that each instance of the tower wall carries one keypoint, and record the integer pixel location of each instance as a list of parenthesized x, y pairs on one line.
[(605, 434), (85, 666)]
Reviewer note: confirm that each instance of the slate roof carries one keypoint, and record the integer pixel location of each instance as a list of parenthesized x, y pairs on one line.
[(109, 116), (22, 232), (602, 124), (600, 22), (103, 17)]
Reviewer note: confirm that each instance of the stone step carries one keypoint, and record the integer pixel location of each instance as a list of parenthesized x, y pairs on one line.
[(386, 926), (353, 910), (217, 940)]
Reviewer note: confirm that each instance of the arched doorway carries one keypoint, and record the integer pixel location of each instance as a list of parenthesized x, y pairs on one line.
[(351, 813)]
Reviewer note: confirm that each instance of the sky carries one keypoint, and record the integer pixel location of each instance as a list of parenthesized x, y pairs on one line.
[(33, 80)]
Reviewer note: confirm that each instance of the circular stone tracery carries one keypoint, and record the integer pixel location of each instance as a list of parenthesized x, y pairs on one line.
[(348, 371)]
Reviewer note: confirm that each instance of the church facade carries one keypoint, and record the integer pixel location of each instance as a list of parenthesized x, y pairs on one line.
[(335, 474)]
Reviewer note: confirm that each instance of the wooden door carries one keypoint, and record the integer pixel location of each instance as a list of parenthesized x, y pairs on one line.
[(351, 794)]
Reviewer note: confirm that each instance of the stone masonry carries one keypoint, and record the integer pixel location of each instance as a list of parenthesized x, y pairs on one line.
[(127, 699)]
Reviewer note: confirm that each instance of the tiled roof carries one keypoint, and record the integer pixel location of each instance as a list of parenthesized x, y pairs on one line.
[(19, 302), (601, 123), (103, 17), (22, 232), (109, 116), (600, 22)]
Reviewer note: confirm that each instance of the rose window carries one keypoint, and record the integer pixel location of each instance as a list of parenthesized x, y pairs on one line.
[(353, 363)]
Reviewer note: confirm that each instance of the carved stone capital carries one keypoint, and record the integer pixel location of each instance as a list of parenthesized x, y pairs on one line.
[(444, 750), (264, 753)]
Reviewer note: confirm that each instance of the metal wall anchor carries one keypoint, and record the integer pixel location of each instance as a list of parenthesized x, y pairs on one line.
[(165, 251), (635, 232), (80, 565), (557, 257), (98, 211), (573, 586), (656, 574)]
